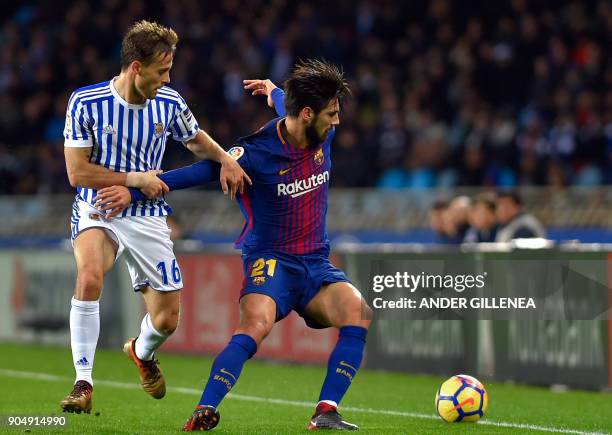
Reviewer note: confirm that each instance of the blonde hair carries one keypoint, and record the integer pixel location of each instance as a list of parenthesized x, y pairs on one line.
[(144, 40)]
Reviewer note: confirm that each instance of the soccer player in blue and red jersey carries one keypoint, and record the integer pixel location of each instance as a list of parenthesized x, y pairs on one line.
[(284, 244)]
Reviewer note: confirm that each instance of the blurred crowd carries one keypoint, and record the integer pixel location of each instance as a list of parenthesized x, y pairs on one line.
[(445, 93), (487, 217)]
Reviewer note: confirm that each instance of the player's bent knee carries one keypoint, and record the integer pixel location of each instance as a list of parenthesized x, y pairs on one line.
[(88, 285), (166, 322), (367, 314), (256, 329), (356, 316)]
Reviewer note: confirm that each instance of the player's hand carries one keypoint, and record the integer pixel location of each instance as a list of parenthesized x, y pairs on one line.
[(148, 182), (233, 178), (113, 200), (261, 87)]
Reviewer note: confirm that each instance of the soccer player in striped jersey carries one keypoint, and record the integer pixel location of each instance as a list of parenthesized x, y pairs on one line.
[(115, 134), (284, 243)]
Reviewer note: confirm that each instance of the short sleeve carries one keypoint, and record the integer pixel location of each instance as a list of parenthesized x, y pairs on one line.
[(77, 129), (185, 127)]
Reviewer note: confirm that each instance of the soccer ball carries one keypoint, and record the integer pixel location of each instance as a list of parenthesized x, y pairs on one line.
[(461, 398)]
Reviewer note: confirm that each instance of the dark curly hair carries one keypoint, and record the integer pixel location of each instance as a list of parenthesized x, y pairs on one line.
[(313, 83)]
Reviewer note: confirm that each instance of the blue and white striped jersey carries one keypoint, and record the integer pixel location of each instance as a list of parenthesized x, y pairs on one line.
[(127, 137)]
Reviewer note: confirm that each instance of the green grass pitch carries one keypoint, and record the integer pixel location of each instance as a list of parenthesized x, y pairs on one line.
[(274, 399)]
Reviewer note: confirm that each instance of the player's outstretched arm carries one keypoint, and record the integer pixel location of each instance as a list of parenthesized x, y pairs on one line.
[(276, 96), (83, 173), (232, 176), (115, 199)]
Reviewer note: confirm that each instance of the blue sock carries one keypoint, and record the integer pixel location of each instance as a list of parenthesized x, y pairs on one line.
[(343, 363), (226, 369)]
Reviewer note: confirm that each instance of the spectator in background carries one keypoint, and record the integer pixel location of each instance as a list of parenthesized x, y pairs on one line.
[(456, 219), (436, 220), (483, 221), (447, 93), (514, 222)]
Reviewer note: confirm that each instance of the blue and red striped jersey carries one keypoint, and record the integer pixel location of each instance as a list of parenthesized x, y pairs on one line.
[(286, 207)]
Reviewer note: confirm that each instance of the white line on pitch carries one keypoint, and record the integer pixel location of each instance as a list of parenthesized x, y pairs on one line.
[(128, 386)]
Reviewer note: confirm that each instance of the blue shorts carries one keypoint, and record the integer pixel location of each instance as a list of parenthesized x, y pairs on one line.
[(291, 280)]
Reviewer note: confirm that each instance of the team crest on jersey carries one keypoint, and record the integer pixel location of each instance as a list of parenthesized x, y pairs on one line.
[(236, 152), (159, 129), (319, 158), (259, 280)]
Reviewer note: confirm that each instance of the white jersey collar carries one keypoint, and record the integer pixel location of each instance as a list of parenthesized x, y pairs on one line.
[(122, 101)]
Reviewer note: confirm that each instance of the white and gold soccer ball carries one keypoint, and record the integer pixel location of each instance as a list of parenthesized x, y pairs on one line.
[(461, 398)]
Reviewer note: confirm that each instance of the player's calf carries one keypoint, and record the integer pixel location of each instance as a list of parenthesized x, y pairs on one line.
[(356, 313), (166, 322)]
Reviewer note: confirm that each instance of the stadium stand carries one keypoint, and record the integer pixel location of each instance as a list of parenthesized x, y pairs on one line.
[(444, 95)]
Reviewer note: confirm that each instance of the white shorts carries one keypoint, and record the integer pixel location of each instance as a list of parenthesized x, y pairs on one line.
[(144, 242)]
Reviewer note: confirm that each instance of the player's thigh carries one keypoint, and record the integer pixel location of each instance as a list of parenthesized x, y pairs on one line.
[(149, 253), (163, 307), (257, 316), (339, 304), (278, 276), (94, 253)]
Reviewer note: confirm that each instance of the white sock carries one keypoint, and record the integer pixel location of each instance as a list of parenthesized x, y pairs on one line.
[(148, 340), (84, 332)]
